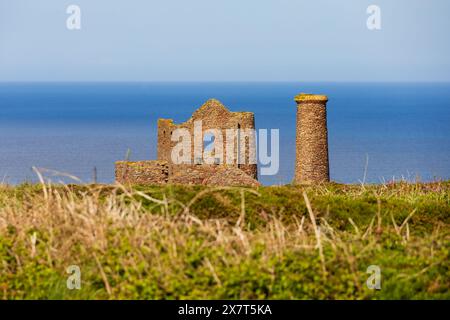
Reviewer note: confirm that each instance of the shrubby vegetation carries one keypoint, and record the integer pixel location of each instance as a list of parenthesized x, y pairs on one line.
[(177, 242)]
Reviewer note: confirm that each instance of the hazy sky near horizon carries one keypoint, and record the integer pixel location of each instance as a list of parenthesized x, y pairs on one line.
[(224, 40)]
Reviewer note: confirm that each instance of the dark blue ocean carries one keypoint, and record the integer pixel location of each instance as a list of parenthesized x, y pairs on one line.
[(398, 130)]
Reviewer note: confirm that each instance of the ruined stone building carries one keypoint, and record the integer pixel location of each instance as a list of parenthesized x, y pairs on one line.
[(232, 161), (227, 130)]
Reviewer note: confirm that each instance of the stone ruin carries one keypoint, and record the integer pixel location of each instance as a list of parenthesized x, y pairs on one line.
[(213, 115), (311, 166), (311, 162)]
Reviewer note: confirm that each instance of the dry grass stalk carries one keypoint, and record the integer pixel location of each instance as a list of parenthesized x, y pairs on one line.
[(316, 232)]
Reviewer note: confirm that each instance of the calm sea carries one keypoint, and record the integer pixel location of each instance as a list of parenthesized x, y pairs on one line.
[(398, 130)]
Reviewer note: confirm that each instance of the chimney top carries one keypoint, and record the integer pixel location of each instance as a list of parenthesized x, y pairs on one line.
[(302, 97)]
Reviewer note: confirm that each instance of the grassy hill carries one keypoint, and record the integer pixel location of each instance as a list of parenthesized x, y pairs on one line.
[(175, 242)]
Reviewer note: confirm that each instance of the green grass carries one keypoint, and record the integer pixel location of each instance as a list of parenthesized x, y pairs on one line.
[(176, 242)]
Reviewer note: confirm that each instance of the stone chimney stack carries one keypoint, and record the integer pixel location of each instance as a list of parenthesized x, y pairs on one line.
[(311, 164)]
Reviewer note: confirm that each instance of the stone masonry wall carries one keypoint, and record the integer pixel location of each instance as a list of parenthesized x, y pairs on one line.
[(215, 175), (142, 172), (213, 115)]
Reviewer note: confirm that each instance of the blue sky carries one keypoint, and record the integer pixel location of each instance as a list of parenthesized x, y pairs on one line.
[(224, 40)]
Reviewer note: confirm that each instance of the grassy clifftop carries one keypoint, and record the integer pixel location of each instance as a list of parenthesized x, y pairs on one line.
[(178, 242)]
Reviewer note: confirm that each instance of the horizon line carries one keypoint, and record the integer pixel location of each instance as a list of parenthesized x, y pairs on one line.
[(222, 81)]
